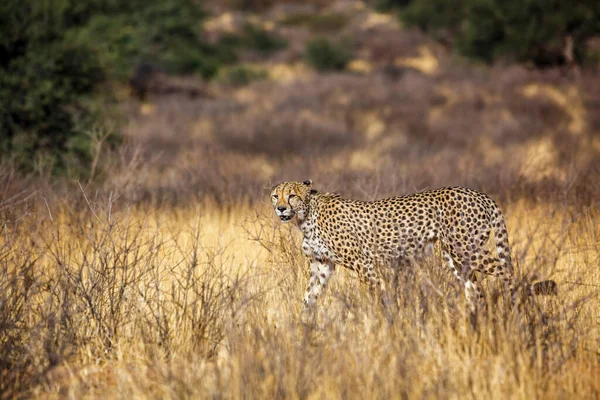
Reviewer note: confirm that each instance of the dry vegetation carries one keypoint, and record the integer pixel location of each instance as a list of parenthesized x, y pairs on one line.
[(173, 279)]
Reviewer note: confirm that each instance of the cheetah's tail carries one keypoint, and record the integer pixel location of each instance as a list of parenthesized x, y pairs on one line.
[(501, 238), (544, 288)]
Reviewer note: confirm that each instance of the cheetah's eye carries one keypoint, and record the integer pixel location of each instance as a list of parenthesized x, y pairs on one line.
[(275, 197), (291, 196)]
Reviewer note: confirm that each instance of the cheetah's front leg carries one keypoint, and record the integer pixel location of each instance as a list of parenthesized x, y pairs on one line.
[(320, 272)]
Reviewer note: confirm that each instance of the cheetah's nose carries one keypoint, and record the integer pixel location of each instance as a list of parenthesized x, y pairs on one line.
[(281, 208)]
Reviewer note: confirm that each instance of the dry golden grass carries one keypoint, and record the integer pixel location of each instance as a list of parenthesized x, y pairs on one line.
[(112, 301), (172, 279)]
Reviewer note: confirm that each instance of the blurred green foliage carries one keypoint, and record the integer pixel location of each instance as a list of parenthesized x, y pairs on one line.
[(389, 5), (250, 5), (58, 59), (240, 75), (253, 37), (55, 55), (534, 31), (325, 55)]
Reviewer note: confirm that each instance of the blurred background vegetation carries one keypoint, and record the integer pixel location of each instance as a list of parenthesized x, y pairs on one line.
[(61, 61), (542, 32)]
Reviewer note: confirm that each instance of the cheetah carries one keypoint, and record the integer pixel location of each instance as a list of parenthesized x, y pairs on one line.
[(361, 235)]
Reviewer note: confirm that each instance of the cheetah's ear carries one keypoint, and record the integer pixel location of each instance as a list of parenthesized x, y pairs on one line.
[(307, 182)]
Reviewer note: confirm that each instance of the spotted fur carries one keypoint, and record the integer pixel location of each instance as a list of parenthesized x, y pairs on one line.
[(361, 235)]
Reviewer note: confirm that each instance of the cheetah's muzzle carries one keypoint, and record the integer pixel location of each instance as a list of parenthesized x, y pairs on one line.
[(286, 218)]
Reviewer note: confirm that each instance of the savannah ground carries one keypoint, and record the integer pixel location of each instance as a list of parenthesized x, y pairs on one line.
[(173, 279)]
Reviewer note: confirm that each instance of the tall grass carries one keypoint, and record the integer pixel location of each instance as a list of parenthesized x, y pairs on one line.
[(102, 299)]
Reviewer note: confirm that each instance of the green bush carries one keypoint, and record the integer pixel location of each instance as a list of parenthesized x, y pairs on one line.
[(167, 33), (533, 31), (325, 55), (55, 55), (388, 5), (253, 37), (257, 38), (41, 82), (250, 5), (436, 17), (240, 75)]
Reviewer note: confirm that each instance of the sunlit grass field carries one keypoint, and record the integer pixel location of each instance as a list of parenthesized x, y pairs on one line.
[(202, 301), (168, 276)]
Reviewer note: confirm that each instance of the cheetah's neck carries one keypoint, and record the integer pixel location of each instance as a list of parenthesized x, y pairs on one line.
[(307, 222)]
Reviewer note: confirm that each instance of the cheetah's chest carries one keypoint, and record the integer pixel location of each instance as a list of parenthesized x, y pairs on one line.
[(313, 244)]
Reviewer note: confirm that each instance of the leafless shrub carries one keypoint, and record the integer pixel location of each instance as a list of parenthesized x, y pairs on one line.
[(103, 280)]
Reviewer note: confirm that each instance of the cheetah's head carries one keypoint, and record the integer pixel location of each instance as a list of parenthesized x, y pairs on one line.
[(290, 199)]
